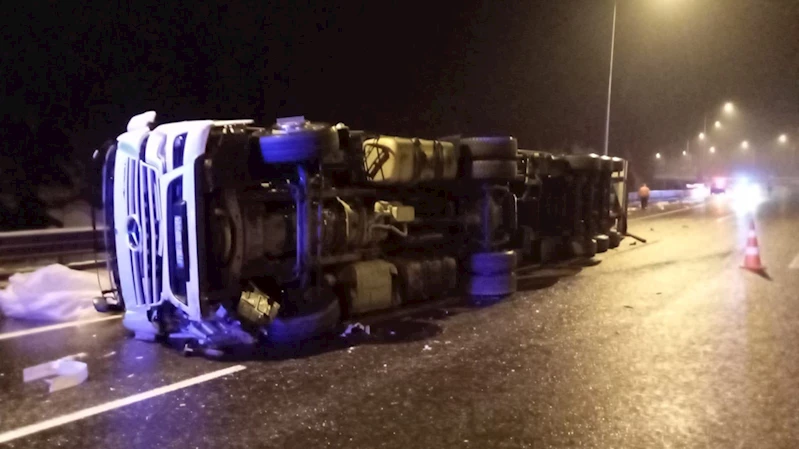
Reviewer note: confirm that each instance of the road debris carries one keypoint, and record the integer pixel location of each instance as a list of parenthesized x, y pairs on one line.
[(60, 374), (628, 307), (352, 328), (427, 348), (640, 239)]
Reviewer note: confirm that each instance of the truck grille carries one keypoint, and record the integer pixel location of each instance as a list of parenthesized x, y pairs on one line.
[(143, 231)]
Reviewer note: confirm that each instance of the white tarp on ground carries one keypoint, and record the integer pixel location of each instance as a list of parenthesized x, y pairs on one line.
[(52, 293)]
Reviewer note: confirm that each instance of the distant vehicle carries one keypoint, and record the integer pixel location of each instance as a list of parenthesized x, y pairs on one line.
[(719, 185)]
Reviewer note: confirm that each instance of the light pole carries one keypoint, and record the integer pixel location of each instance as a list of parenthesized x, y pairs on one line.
[(729, 107), (610, 78)]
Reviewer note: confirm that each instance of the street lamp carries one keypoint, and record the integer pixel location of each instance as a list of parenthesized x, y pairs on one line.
[(712, 150), (745, 145), (783, 138), (610, 78), (657, 155), (684, 153), (717, 124), (729, 108), (701, 136)]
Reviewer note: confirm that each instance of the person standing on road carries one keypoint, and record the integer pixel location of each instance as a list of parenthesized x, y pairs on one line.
[(643, 195)]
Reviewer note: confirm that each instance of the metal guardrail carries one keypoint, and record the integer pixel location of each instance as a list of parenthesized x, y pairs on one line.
[(33, 244), (662, 195)]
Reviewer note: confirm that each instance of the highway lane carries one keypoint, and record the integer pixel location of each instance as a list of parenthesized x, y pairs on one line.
[(664, 344)]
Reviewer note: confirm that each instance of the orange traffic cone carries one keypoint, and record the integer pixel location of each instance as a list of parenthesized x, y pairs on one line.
[(752, 260)]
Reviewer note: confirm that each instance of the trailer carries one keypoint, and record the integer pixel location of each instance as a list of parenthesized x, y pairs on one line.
[(223, 233)]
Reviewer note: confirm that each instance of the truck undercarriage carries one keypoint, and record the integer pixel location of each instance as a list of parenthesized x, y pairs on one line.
[(223, 233)]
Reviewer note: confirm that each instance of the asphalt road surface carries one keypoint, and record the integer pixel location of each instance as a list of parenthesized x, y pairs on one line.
[(663, 344)]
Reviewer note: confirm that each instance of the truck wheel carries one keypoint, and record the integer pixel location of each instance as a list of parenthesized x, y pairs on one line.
[(602, 243), (102, 305), (615, 239), (500, 262), (606, 164), (580, 162), (492, 285), (305, 144), (581, 247), (482, 148), (591, 247), (549, 249), (288, 329), (411, 280), (494, 170)]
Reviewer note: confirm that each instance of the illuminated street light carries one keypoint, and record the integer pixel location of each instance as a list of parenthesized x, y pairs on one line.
[(717, 124), (684, 153), (783, 138), (729, 108), (657, 155), (712, 149), (745, 145), (701, 136)]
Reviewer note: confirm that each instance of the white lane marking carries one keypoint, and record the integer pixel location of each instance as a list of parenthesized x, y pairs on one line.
[(54, 327), (725, 218), (108, 406), (685, 209), (794, 263)]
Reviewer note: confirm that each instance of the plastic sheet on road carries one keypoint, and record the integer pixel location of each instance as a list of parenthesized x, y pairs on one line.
[(52, 293)]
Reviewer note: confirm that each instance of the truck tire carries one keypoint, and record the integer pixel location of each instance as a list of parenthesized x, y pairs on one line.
[(102, 305), (602, 243), (582, 247), (411, 280), (615, 239), (303, 145), (492, 263), (302, 327), (490, 148), (494, 170), (492, 285), (580, 162), (549, 247), (591, 247)]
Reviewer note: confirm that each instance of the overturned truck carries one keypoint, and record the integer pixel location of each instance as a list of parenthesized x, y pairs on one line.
[(223, 233)]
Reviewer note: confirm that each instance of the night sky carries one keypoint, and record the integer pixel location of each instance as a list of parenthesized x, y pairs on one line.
[(536, 69)]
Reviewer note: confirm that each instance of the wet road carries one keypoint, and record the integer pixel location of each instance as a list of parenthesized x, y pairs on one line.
[(664, 344)]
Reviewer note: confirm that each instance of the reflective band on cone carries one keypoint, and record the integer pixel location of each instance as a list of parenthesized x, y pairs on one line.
[(752, 251)]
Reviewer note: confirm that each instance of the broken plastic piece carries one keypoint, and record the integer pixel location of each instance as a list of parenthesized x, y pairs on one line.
[(352, 327), (60, 374)]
